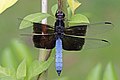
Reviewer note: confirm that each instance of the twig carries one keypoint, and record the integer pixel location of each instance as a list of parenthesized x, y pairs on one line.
[(43, 53)]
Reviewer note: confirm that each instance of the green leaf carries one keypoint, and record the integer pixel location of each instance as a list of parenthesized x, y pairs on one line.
[(63, 78), (33, 69), (21, 51), (36, 17), (7, 78), (109, 73), (6, 72), (8, 59), (54, 9), (95, 74), (74, 4), (21, 70), (78, 18), (69, 13), (38, 67), (3, 72), (4, 4)]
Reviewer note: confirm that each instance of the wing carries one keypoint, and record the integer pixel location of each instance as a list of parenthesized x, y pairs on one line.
[(44, 41), (72, 43), (77, 43), (43, 35), (92, 43), (89, 29), (39, 28), (79, 30)]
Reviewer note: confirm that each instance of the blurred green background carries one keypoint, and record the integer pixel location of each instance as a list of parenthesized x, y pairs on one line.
[(76, 65)]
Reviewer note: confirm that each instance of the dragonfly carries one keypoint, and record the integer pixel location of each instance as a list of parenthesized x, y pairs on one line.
[(72, 38)]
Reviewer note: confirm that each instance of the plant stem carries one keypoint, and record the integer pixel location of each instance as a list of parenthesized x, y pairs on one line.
[(43, 53), (64, 9), (44, 10)]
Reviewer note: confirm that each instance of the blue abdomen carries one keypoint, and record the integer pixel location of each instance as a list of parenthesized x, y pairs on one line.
[(58, 60)]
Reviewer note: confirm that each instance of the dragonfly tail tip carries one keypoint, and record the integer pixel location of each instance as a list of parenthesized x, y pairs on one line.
[(59, 72)]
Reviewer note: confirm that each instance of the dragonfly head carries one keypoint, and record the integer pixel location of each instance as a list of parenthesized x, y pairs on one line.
[(59, 15)]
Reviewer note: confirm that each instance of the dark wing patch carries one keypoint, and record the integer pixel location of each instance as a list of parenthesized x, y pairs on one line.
[(79, 30), (44, 41), (72, 43), (39, 28), (88, 30)]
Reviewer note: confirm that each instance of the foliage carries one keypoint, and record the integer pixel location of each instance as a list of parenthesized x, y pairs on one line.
[(109, 73), (74, 4), (38, 17), (21, 51), (23, 71), (63, 78), (38, 67), (54, 9), (95, 73), (28, 20), (4, 4)]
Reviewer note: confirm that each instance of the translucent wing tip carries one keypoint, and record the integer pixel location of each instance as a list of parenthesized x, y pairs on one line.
[(105, 41), (92, 43), (108, 22)]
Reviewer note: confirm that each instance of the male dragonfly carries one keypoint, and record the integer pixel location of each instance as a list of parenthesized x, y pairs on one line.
[(68, 38), (71, 38)]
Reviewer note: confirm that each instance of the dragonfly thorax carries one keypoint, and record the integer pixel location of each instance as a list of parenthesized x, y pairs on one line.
[(59, 31), (59, 24)]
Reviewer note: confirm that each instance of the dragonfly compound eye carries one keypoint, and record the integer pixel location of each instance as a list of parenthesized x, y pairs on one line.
[(59, 14)]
